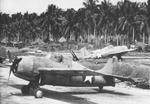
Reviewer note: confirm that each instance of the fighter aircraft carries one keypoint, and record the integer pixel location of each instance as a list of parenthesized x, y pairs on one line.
[(108, 51), (44, 71)]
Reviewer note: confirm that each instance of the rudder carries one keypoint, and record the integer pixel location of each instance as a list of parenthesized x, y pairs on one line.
[(108, 68)]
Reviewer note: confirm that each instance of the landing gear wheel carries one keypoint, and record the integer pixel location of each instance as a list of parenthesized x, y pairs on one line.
[(100, 88), (38, 93), (25, 90)]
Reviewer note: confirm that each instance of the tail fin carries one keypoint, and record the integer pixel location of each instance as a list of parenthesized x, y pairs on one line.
[(84, 52), (108, 68)]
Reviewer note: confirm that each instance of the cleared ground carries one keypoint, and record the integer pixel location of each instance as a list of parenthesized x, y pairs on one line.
[(11, 94)]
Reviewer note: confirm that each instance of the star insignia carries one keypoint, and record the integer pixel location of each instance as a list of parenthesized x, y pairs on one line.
[(88, 79)]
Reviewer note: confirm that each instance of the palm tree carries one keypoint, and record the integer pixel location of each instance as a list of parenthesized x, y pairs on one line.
[(70, 21), (52, 21), (148, 21), (126, 20), (143, 18)]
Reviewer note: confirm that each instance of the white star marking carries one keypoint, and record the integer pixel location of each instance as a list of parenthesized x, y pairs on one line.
[(88, 78)]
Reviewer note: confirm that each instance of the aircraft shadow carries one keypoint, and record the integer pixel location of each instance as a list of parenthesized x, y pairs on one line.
[(114, 93), (68, 96), (63, 96), (101, 92), (72, 92)]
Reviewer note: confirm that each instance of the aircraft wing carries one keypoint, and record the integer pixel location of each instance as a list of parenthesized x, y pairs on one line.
[(108, 51), (122, 78), (116, 52), (74, 72)]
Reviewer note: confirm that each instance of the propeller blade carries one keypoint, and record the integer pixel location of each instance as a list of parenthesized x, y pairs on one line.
[(13, 67)]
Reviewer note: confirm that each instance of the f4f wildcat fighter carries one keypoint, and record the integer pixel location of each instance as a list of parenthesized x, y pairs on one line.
[(44, 71), (108, 51)]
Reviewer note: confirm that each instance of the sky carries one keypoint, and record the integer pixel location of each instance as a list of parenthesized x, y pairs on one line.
[(39, 6)]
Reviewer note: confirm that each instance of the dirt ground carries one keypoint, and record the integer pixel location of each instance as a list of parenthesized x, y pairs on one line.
[(10, 93)]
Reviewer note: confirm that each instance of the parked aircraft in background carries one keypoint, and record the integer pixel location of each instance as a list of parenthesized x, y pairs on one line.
[(108, 51), (45, 71)]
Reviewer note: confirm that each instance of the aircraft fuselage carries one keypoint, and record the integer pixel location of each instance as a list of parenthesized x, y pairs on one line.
[(67, 80), (27, 70)]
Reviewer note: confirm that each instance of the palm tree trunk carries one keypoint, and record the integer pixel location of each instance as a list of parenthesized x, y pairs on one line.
[(133, 35), (94, 31), (148, 31), (143, 37), (18, 34), (88, 35), (105, 36), (117, 36)]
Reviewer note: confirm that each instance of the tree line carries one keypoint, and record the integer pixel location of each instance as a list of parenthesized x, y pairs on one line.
[(96, 23)]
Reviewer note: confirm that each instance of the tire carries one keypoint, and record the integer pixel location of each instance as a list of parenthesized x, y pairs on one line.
[(38, 93), (25, 90)]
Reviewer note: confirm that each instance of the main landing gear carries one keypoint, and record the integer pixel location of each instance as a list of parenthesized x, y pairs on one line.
[(32, 88)]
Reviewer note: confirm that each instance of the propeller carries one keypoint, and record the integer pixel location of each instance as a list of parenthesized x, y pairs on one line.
[(14, 66)]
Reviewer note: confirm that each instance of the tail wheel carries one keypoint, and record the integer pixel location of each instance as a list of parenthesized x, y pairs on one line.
[(38, 93), (25, 90), (100, 88)]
